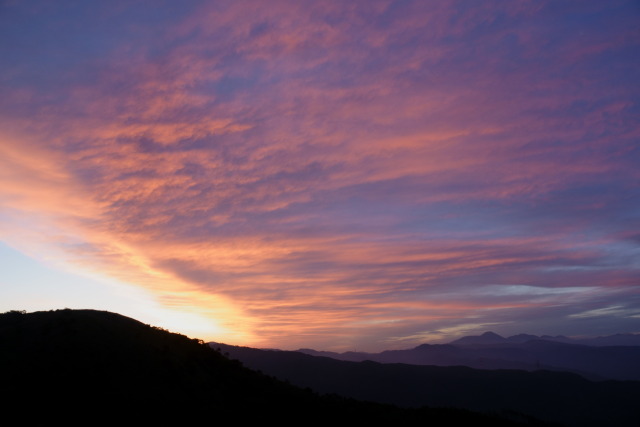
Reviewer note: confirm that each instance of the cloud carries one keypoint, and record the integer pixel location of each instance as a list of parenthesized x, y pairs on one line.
[(319, 170), (616, 310)]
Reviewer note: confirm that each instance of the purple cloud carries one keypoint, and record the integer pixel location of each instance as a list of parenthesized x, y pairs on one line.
[(338, 174)]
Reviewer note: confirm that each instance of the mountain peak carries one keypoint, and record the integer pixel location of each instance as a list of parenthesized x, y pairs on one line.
[(521, 338), (490, 334), (486, 338)]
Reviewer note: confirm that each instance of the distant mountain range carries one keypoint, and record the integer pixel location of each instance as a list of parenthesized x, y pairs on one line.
[(587, 357), (493, 338), (554, 397), (87, 367)]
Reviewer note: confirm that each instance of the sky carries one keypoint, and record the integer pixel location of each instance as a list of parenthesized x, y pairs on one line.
[(360, 175)]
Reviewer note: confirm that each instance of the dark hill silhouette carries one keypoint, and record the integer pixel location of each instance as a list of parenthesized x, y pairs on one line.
[(486, 338), (527, 352), (493, 338), (552, 396), (522, 338), (86, 367), (611, 340)]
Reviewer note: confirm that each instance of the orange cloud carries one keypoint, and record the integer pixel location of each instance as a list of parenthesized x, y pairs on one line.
[(321, 170)]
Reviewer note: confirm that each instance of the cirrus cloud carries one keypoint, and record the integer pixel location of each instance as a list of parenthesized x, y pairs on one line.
[(333, 174)]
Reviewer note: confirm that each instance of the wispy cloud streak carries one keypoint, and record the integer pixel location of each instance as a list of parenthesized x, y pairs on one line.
[(331, 173)]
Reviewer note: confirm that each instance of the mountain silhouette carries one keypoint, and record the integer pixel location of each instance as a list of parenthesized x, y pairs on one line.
[(87, 367), (557, 397), (527, 352), (486, 338), (493, 338), (522, 338)]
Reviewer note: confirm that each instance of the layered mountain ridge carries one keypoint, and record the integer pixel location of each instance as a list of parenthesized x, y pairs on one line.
[(88, 367), (602, 341), (555, 397), (587, 357)]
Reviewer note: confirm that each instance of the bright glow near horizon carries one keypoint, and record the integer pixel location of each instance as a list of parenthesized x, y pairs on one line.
[(326, 174), (27, 284)]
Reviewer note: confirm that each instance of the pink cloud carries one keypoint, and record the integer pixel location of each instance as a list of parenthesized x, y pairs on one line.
[(316, 169)]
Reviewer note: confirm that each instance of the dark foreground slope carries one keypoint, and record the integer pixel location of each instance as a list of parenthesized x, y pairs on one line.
[(560, 397), (85, 367)]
